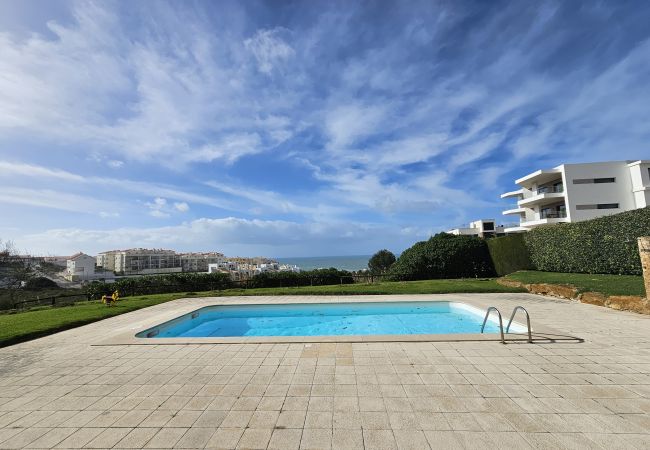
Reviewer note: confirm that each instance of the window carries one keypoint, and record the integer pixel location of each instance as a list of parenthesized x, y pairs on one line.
[(488, 226), (594, 180), (598, 206)]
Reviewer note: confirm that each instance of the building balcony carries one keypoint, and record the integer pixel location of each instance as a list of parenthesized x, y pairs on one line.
[(515, 229), (539, 177), (514, 211), (550, 190), (518, 193), (544, 221), (544, 198), (553, 215)]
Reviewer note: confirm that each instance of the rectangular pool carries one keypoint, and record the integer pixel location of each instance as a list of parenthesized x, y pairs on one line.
[(329, 319)]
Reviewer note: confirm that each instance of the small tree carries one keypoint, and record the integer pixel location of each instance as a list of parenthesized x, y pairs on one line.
[(14, 271), (381, 261)]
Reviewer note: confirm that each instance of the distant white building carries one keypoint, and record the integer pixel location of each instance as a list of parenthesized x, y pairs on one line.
[(80, 267), (481, 228), (140, 261), (577, 192), (199, 262)]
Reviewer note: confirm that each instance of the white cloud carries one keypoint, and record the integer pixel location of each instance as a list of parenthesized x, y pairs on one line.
[(115, 164), (51, 199), (231, 235), (17, 172), (269, 48), (158, 208), (181, 206), (169, 96)]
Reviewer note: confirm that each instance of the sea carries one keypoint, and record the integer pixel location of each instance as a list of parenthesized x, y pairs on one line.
[(351, 263)]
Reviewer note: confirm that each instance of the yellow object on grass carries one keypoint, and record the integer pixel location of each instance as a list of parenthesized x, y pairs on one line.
[(110, 300)]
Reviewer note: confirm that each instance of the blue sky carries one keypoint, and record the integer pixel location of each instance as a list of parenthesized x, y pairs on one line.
[(301, 128)]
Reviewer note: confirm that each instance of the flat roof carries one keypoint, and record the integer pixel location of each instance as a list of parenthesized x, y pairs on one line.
[(539, 175)]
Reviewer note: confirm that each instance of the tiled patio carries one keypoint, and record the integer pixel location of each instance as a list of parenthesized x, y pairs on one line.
[(63, 392)]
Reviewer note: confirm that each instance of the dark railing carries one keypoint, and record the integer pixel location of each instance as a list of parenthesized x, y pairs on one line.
[(52, 300), (553, 215), (550, 190), (250, 283)]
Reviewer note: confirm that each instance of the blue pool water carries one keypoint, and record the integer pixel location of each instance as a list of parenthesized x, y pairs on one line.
[(327, 320)]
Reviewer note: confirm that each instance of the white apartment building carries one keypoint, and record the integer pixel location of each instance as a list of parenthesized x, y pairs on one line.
[(140, 261), (481, 228), (577, 192), (200, 262), (80, 267)]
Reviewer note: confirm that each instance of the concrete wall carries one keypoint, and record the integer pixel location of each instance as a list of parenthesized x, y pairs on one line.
[(590, 194)]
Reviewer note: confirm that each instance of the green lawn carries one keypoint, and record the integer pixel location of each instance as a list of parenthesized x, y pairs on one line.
[(605, 284), (39, 322)]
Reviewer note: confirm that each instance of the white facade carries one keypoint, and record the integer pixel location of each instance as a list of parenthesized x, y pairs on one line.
[(577, 192), (80, 267), (142, 261), (482, 228), (200, 262)]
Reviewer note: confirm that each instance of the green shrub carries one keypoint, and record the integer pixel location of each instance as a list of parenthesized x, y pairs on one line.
[(160, 284), (603, 245), (40, 283), (318, 277), (381, 261), (195, 282), (444, 256), (509, 254)]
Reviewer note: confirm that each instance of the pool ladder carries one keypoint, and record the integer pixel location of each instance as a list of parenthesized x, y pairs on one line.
[(512, 316)]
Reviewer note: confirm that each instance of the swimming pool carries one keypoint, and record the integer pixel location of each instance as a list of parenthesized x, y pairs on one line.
[(329, 319)]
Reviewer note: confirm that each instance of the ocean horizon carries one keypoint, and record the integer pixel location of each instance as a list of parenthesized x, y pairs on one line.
[(354, 262)]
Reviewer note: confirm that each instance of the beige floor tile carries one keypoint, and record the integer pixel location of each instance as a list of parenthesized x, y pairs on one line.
[(286, 439), (80, 438), (255, 438), (108, 438), (195, 438), (316, 438), (166, 438), (225, 438), (137, 438), (379, 440)]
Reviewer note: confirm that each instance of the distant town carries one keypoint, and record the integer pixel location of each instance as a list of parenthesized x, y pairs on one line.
[(112, 264)]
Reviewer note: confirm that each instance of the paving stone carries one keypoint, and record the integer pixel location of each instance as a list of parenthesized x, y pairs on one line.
[(108, 438), (255, 438), (316, 438), (51, 438), (166, 438), (195, 438), (225, 438), (137, 438), (286, 439), (379, 440)]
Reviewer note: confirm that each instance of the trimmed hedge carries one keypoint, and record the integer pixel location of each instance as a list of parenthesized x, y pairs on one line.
[(509, 254), (444, 256), (604, 245), (317, 277), (161, 284), (188, 282)]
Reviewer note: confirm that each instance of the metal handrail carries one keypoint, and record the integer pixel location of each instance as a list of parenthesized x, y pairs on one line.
[(487, 314), (514, 311)]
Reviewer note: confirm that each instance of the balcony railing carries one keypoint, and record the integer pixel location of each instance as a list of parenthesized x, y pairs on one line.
[(550, 190), (553, 215)]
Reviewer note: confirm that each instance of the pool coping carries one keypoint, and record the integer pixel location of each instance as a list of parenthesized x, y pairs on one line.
[(127, 335)]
